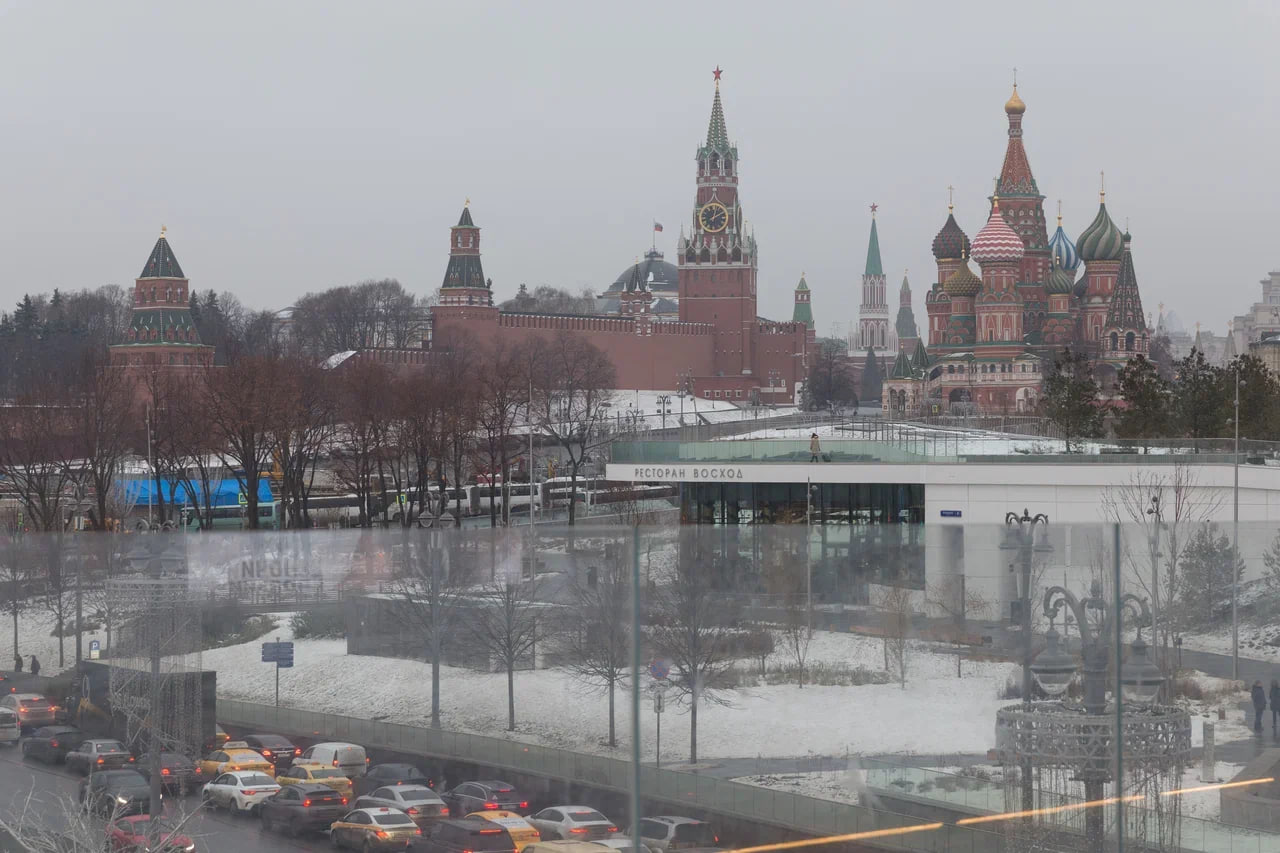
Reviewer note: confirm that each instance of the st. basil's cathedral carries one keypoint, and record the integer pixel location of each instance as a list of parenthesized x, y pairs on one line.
[(992, 335)]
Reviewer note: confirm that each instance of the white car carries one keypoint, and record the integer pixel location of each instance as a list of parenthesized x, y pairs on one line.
[(417, 801), (239, 791), (573, 823), (621, 842)]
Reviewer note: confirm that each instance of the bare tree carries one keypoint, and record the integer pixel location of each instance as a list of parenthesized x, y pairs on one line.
[(302, 428), (427, 590), (420, 415), (598, 645), (506, 625), (39, 457), (240, 399), (502, 395), (61, 823), (786, 577), (572, 379), (184, 445), (364, 436), (103, 422), (16, 574), (692, 627), (952, 597), (455, 369), (894, 603)]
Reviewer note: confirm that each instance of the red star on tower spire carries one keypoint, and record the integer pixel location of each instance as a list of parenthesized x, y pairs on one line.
[(717, 72)]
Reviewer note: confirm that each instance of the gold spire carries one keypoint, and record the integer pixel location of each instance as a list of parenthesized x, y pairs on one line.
[(1102, 184), (467, 203), (162, 230), (951, 199), (1059, 213)]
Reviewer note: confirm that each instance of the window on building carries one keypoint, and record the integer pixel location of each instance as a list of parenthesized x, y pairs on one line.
[(737, 394), (1128, 341), (951, 368), (717, 395), (1115, 342), (707, 394)]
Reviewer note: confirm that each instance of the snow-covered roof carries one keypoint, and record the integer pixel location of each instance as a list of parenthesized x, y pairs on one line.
[(337, 358)]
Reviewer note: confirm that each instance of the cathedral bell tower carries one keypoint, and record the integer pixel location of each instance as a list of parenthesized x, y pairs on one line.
[(717, 261)]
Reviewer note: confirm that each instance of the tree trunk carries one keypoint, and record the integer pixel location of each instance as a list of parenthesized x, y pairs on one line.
[(613, 740), (573, 495), (511, 695), (435, 680), (693, 731)]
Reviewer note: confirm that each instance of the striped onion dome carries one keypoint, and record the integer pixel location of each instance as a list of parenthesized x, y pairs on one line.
[(1063, 250), (1060, 280), (1102, 240), (951, 242), (997, 242), (962, 282)]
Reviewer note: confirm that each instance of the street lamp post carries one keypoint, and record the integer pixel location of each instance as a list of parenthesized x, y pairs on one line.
[(1021, 537), (1139, 682), (1235, 537), (1157, 520), (664, 401)]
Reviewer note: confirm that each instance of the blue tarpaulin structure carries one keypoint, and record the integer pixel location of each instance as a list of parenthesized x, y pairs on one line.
[(225, 492)]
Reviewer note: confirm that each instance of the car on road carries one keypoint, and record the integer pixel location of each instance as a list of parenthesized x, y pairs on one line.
[(95, 754), (240, 791), (486, 795), (220, 736), (51, 744), (561, 845), (467, 835), (133, 834), (277, 749), (671, 832), (380, 775), (417, 801), (116, 792), (10, 728), (573, 823), (621, 842), (33, 710), (235, 755), (347, 757), (306, 807), (521, 831), (177, 772), (307, 772), (378, 828)]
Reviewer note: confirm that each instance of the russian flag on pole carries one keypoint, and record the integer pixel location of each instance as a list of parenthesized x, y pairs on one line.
[(657, 226)]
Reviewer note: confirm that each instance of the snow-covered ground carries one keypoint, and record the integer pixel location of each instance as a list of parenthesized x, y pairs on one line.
[(555, 709), (35, 637), (932, 440), (1261, 642)]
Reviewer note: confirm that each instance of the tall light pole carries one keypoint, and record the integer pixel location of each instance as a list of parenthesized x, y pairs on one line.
[(1235, 538), (1156, 523), (1021, 531), (664, 402), (808, 558)]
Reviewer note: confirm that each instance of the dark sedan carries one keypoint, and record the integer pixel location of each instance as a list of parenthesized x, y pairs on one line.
[(177, 772), (51, 744), (277, 749), (381, 775), (116, 792), (305, 807), (486, 795), (97, 754)]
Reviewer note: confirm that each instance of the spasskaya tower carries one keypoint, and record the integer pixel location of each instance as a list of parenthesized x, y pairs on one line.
[(717, 262)]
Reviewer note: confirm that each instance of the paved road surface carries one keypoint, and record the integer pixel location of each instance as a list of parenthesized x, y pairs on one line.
[(214, 832)]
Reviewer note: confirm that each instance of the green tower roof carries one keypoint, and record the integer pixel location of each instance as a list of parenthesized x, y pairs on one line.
[(803, 311), (873, 252)]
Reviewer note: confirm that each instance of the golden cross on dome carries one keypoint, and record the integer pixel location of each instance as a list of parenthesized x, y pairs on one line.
[(1015, 76), (951, 199), (1102, 183), (1059, 211)]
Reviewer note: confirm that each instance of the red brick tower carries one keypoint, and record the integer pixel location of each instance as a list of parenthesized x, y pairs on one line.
[(162, 331), (717, 261), (466, 296), (1023, 208)]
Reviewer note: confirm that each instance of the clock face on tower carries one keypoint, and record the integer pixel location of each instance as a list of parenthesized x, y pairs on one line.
[(713, 216)]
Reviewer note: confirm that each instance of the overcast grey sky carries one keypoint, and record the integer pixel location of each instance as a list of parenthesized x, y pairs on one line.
[(295, 146)]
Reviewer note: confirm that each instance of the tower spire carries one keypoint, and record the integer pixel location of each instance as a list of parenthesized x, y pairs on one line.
[(874, 267), (717, 133)]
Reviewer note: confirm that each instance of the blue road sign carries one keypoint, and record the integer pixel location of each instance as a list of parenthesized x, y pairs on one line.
[(278, 653), (950, 513), (659, 668)]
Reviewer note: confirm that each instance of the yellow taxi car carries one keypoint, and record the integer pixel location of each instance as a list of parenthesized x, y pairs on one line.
[(374, 829), (521, 831), (330, 777), (234, 755)]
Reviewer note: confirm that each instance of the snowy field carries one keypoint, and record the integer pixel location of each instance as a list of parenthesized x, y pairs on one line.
[(979, 787), (1260, 642), (554, 709), (926, 439)]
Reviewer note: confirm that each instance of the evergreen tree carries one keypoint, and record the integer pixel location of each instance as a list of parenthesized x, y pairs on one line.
[(1259, 397), (1202, 399), (1145, 413), (1070, 399), (1271, 558), (1162, 356), (872, 379), (1206, 569)]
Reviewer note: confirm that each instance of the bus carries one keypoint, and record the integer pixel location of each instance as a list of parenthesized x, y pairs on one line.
[(234, 517)]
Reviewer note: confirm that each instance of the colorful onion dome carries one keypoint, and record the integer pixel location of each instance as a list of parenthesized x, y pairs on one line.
[(1061, 280), (997, 242), (1102, 240), (1014, 105), (951, 242), (962, 282), (1062, 250)]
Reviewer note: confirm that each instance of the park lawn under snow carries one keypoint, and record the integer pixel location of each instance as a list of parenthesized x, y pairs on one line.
[(935, 713)]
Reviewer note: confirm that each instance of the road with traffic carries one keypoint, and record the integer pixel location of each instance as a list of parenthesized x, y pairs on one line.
[(47, 790)]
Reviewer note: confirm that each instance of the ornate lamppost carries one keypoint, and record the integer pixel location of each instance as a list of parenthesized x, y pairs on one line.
[(1097, 740)]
